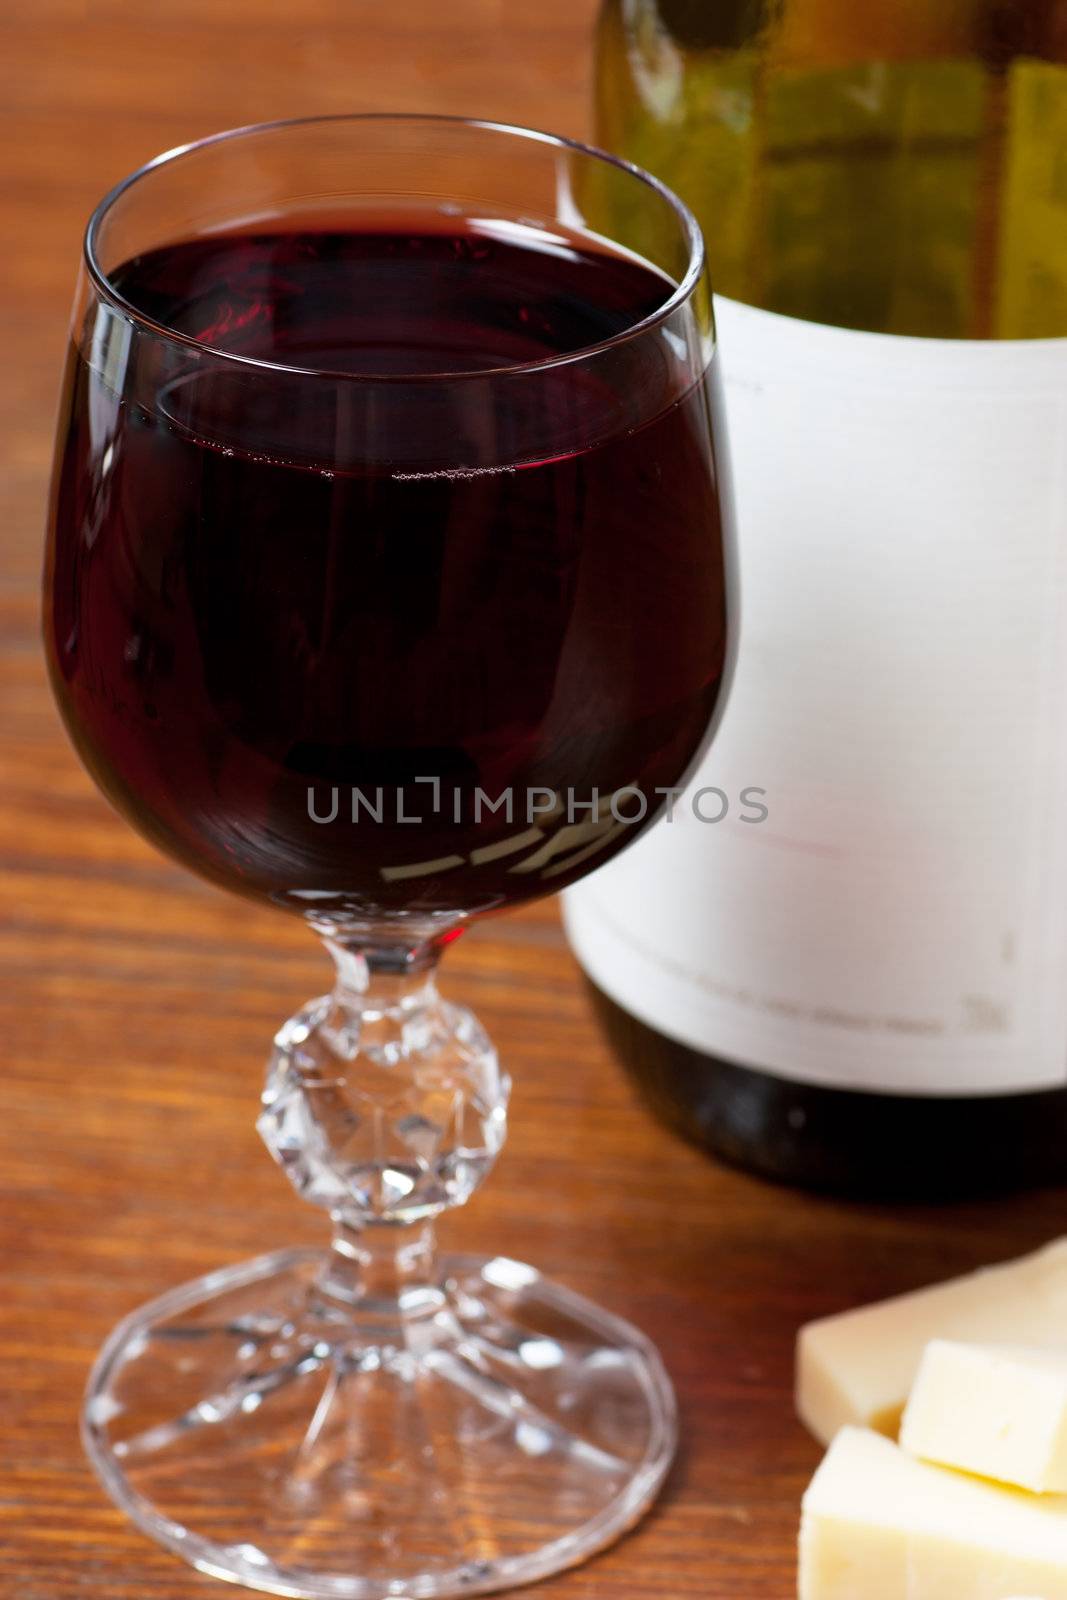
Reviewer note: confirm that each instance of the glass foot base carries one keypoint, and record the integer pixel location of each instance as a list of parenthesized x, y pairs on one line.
[(496, 1430)]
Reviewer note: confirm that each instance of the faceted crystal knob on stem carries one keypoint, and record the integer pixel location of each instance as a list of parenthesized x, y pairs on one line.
[(383, 1102)]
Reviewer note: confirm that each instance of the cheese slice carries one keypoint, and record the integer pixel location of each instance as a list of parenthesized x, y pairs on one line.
[(879, 1525), (859, 1367), (997, 1410)]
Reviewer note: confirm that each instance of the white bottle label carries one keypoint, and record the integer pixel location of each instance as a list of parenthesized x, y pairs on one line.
[(899, 920)]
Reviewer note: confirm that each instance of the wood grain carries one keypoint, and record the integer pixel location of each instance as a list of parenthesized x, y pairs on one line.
[(137, 1004)]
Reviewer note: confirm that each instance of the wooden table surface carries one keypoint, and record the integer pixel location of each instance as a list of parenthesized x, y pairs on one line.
[(137, 1003)]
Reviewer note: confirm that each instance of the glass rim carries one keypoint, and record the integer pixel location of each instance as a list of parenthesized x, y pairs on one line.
[(680, 294)]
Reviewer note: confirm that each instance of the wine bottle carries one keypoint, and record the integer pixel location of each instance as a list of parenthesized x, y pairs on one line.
[(865, 990)]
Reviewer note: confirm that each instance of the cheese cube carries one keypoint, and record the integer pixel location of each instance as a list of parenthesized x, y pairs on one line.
[(859, 1367), (879, 1525), (997, 1410)]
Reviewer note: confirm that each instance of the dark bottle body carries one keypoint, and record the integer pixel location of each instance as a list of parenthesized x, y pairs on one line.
[(859, 997), (840, 1141)]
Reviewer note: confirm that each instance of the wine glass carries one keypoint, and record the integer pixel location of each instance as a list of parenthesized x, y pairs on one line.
[(387, 583)]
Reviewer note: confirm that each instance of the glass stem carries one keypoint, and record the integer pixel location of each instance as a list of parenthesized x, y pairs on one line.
[(381, 990), (387, 1271), (385, 1105)]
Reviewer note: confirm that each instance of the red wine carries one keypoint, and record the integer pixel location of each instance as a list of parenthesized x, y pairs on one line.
[(275, 616)]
